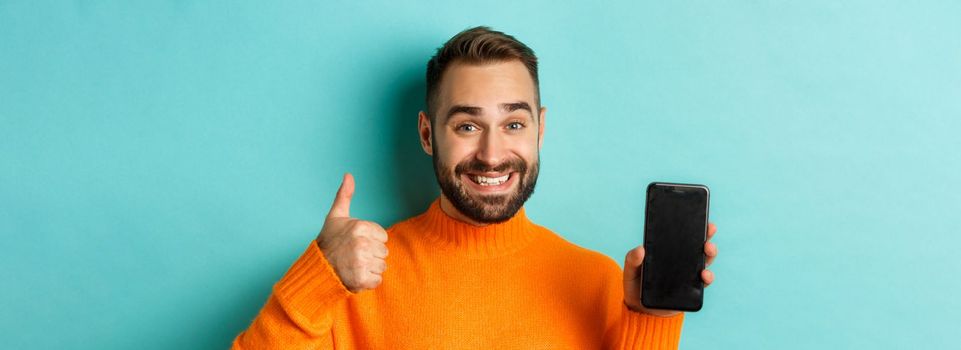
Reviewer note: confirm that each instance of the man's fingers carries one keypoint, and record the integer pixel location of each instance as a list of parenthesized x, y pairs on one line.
[(708, 277), (372, 230), (372, 281), (711, 230), (632, 277), (377, 266), (710, 250), (341, 206), (378, 233), (380, 252), (632, 262)]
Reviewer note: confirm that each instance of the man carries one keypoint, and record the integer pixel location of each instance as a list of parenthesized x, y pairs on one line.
[(472, 272)]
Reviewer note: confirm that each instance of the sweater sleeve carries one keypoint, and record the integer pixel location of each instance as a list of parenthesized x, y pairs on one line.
[(636, 331), (632, 330), (298, 314)]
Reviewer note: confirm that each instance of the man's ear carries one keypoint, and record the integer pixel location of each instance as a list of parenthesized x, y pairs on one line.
[(541, 118), (423, 130)]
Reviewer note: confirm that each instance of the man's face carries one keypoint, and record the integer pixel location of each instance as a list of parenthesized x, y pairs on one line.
[(485, 138)]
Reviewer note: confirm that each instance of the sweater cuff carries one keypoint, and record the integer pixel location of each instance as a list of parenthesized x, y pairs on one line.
[(644, 331), (311, 288)]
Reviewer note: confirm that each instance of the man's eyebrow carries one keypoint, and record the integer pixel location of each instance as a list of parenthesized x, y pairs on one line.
[(513, 106), (471, 110), (477, 111)]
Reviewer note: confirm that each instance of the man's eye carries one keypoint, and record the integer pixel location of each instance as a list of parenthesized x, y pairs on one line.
[(515, 126), (466, 127)]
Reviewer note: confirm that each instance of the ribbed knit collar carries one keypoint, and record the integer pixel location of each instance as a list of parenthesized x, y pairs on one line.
[(476, 241)]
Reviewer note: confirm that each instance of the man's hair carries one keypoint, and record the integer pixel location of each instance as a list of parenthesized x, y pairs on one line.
[(478, 45)]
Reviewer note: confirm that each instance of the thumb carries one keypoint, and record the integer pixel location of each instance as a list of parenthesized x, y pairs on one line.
[(632, 271), (341, 206)]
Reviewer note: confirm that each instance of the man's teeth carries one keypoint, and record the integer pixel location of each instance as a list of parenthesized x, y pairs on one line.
[(489, 181)]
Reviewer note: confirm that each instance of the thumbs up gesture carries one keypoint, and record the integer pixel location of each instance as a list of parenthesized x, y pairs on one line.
[(355, 248)]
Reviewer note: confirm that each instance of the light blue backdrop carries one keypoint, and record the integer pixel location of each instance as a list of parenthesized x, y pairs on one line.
[(163, 163)]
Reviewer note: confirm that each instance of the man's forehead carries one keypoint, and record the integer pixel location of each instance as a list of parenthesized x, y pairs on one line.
[(505, 86)]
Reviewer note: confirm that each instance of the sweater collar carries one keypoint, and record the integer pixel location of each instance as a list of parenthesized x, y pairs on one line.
[(477, 241)]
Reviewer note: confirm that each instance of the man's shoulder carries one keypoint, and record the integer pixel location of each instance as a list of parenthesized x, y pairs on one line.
[(568, 250), (403, 228)]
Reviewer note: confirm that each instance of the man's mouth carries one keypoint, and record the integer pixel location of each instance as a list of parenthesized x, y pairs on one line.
[(490, 183)]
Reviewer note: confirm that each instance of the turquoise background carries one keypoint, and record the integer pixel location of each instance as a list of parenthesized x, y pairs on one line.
[(164, 162)]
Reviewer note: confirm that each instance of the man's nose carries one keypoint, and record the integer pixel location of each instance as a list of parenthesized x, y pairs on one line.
[(492, 149)]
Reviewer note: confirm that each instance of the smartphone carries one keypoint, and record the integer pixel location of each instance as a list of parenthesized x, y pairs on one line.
[(675, 229)]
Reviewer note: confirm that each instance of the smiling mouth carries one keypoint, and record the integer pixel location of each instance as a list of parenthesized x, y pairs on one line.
[(488, 181)]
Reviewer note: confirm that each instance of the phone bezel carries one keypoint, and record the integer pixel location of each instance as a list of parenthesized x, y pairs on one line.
[(707, 191)]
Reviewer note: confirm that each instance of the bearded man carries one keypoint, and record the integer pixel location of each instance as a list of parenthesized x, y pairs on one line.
[(472, 272)]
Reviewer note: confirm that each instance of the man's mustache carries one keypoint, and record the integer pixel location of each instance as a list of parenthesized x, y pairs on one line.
[(476, 166)]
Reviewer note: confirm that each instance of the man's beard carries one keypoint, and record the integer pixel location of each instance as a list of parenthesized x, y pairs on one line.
[(487, 209)]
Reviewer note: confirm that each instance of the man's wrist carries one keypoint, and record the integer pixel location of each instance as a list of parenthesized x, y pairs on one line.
[(652, 312)]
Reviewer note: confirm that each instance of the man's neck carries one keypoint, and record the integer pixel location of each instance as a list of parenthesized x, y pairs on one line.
[(451, 211)]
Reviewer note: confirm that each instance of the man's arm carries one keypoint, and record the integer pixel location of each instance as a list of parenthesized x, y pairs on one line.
[(630, 329), (347, 257), (298, 314), (637, 327)]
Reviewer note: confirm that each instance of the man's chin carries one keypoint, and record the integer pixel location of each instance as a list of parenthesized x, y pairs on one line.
[(493, 215), (487, 204), (486, 208), (493, 206), (491, 199)]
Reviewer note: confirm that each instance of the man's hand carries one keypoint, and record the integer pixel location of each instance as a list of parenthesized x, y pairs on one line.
[(355, 248), (632, 275)]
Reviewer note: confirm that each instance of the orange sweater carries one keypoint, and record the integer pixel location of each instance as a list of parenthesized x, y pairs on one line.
[(451, 285)]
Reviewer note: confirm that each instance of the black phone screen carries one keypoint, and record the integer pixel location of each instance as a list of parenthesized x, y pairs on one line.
[(675, 229)]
